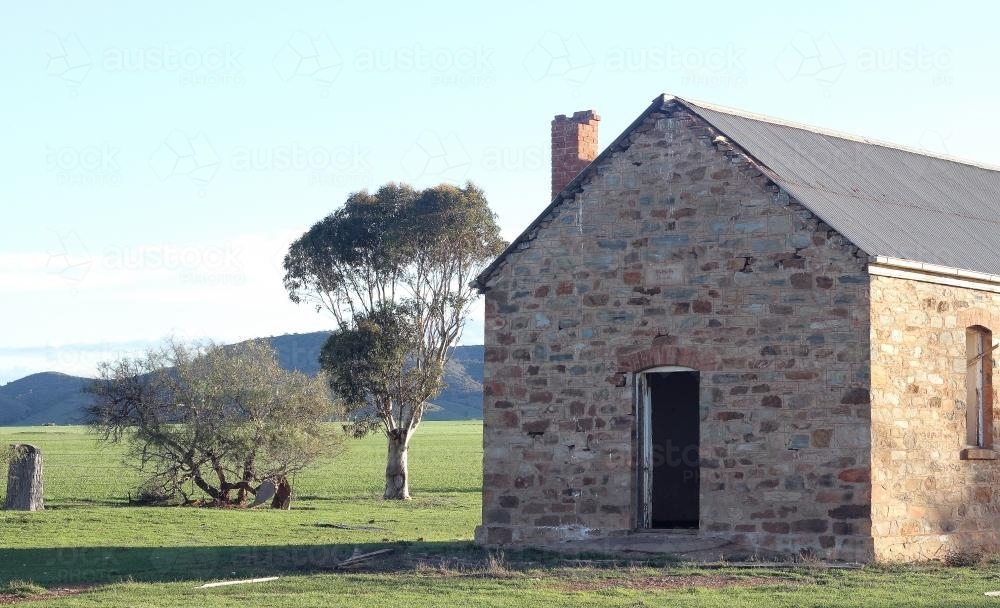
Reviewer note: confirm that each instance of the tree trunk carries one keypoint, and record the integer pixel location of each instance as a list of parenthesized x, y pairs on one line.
[(207, 489), (244, 485), (224, 488), (397, 474), (24, 479)]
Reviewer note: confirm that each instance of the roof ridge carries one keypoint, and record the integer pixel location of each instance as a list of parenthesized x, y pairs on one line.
[(826, 132), (829, 207)]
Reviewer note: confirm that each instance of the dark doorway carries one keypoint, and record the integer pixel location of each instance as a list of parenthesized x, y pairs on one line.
[(674, 440)]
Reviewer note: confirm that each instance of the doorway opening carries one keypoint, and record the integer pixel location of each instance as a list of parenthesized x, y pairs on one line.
[(669, 472)]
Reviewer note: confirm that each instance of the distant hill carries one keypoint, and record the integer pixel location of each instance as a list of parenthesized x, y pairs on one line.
[(41, 398), (54, 397), (462, 399)]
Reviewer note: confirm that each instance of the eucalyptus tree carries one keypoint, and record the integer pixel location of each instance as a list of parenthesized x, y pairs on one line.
[(394, 270)]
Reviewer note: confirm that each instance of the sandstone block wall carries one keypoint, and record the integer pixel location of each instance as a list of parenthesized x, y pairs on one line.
[(677, 252), (926, 500)]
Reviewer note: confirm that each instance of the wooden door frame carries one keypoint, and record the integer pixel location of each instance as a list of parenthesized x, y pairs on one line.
[(644, 442)]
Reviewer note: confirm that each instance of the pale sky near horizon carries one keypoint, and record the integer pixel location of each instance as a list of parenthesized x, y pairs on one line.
[(160, 158)]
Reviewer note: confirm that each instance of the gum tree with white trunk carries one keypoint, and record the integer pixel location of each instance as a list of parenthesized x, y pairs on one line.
[(394, 270)]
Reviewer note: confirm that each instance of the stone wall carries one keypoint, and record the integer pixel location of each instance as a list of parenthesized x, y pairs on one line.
[(927, 501), (678, 252)]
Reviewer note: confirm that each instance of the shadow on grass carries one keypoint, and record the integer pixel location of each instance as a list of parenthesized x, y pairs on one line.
[(76, 503), (95, 565), (83, 565), (423, 495)]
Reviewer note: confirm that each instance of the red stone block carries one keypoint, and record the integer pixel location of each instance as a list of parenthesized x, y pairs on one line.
[(535, 427), (726, 416), (540, 397), (493, 389), (508, 419), (771, 401), (858, 475)]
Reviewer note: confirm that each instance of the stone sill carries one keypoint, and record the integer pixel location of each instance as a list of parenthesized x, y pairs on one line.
[(978, 454)]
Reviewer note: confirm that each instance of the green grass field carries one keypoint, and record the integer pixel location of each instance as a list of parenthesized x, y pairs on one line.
[(157, 556)]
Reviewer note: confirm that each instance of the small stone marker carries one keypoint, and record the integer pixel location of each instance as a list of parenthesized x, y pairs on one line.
[(24, 479)]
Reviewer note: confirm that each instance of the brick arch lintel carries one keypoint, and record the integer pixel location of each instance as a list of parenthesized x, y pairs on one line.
[(701, 359), (983, 318)]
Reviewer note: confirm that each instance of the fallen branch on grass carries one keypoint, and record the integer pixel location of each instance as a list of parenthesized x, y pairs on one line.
[(357, 559), (266, 579), (349, 527)]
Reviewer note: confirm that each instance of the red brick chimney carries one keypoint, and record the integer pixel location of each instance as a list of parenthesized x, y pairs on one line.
[(574, 145)]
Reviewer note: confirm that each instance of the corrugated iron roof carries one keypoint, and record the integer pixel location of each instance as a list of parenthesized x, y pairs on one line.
[(888, 200)]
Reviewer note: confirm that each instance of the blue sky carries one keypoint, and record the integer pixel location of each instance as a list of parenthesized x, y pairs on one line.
[(160, 157)]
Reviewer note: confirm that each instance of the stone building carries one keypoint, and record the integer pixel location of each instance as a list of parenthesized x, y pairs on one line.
[(731, 328)]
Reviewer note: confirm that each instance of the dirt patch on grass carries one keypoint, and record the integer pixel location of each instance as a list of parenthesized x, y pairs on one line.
[(13, 598), (669, 583)]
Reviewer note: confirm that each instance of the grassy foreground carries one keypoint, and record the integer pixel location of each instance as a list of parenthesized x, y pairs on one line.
[(144, 556), (570, 587), (88, 533)]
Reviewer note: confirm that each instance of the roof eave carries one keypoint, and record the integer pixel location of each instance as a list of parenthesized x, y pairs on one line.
[(933, 269)]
